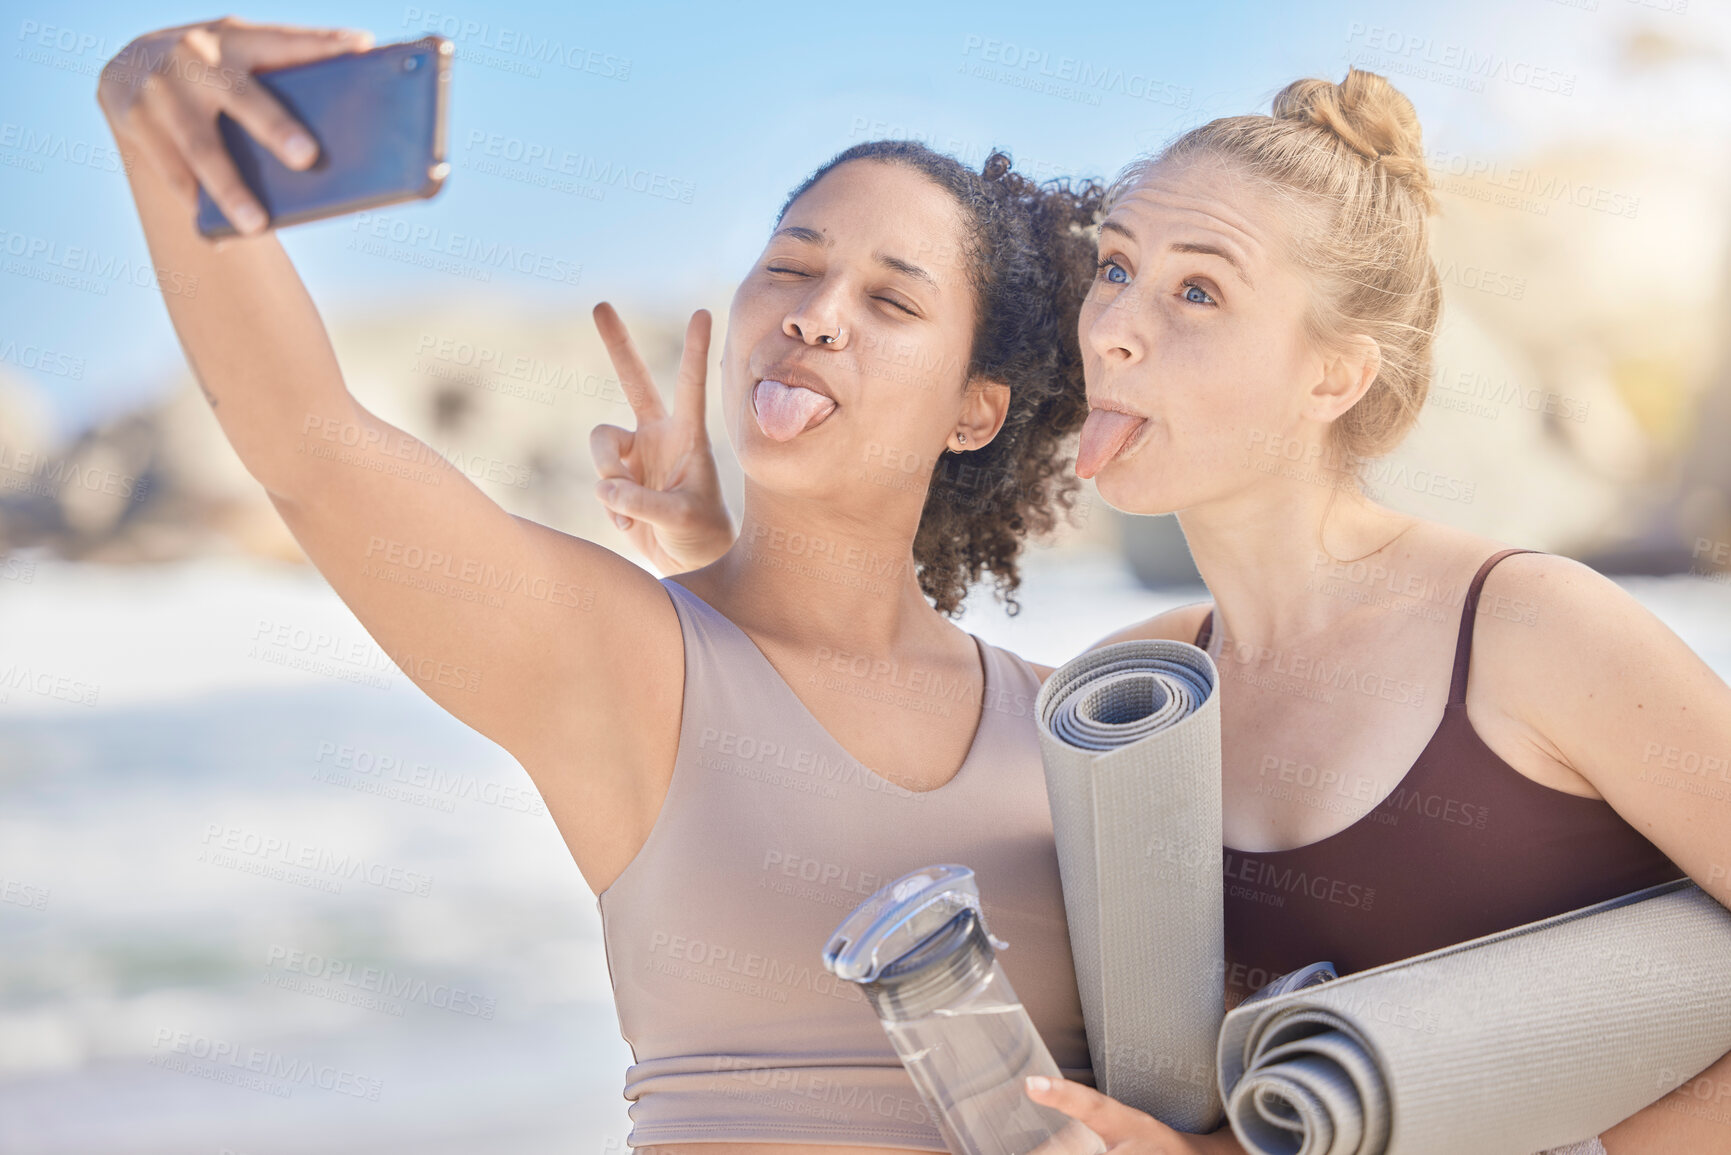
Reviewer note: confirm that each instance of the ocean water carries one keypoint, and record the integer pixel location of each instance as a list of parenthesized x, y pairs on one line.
[(170, 736)]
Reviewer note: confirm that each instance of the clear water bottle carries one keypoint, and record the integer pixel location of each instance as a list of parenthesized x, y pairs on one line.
[(921, 953)]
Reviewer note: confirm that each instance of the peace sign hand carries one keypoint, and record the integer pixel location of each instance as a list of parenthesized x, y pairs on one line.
[(659, 480)]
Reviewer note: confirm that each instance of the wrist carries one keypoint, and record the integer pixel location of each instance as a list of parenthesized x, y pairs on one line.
[(1218, 1142)]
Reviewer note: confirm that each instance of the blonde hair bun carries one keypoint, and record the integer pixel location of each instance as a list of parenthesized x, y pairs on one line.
[(1371, 117)]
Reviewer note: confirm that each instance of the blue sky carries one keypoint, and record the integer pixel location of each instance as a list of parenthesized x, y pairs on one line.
[(715, 110)]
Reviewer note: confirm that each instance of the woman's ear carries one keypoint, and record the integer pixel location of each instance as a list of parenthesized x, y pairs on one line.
[(1346, 374), (984, 407)]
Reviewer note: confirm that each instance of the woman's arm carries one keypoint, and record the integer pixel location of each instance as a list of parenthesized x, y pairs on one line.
[(1178, 624), (541, 641), (1585, 678)]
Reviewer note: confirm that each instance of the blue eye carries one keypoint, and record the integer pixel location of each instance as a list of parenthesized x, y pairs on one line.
[(1113, 272), (1196, 294)]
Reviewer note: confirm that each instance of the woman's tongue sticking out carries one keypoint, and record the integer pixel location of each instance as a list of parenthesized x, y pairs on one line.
[(1104, 433), (786, 411)]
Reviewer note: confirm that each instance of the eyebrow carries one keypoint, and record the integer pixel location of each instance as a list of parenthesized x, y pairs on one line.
[(907, 268), (1111, 226), (1213, 251), (813, 237)]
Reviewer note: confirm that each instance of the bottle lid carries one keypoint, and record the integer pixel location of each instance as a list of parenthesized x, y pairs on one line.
[(1298, 980), (898, 918), (947, 965)]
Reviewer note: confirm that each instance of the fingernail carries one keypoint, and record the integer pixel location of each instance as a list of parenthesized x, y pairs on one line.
[(1039, 1083), (299, 148), (248, 218), (620, 520)]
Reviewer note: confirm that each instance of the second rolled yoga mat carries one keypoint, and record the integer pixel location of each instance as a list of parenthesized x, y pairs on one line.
[(1520, 1041), (1130, 738)]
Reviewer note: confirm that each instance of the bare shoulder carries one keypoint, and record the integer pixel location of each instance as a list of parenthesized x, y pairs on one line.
[(1179, 624), (1585, 689), (1558, 648), (1544, 603), (590, 588)]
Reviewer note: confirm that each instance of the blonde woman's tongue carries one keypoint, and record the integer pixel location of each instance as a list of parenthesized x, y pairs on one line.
[(1104, 435), (786, 411)]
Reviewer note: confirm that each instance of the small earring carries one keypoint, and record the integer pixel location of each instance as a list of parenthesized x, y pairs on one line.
[(961, 438)]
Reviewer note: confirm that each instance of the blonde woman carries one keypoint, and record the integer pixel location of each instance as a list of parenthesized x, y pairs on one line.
[(1491, 743)]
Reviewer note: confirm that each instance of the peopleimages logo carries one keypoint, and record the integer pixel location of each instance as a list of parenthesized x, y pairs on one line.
[(463, 253), (42, 360), (558, 161), (47, 684), (256, 1067), (1258, 872), (1543, 188), (341, 980), (1458, 65), (37, 145), (86, 269), (748, 750), (43, 475), (1067, 77), (23, 894), (225, 844), (372, 767), (519, 50)]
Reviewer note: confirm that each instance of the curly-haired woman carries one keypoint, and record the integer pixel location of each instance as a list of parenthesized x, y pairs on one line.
[(734, 758)]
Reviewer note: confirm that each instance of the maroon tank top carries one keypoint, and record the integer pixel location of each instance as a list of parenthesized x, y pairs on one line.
[(1464, 846)]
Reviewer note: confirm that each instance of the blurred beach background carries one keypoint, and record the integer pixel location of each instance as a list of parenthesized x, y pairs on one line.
[(176, 682)]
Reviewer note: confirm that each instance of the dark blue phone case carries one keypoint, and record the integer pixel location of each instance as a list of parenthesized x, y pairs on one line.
[(379, 120)]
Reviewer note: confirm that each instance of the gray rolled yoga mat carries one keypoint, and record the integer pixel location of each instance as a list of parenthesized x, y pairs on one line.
[(1130, 738), (1531, 1038)]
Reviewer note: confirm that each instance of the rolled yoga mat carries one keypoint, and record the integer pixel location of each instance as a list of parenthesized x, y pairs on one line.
[(1528, 1039), (1130, 738)]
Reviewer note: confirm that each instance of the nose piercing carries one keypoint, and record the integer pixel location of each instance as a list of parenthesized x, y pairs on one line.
[(827, 340)]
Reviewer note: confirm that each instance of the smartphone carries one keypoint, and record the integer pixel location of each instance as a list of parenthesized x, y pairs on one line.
[(379, 120)]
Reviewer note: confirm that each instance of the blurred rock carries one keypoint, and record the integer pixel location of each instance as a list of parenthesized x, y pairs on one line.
[(507, 397), (1581, 402)]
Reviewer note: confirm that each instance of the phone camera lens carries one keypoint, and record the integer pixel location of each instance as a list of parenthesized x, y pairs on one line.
[(410, 63)]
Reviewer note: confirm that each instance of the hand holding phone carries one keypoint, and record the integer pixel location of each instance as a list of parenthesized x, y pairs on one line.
[(222, 79), (379, 120)]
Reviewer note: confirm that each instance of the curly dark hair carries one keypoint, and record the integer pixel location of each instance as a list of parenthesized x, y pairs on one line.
[(1030, 253)]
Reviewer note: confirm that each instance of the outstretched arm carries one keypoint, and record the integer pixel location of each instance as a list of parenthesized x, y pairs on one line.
[(543, 642)]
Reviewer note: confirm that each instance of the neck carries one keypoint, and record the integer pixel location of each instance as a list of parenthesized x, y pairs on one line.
[(1262, 551), (804, 568)]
